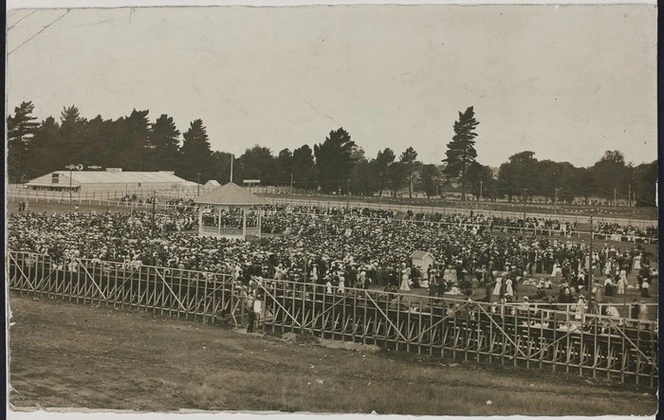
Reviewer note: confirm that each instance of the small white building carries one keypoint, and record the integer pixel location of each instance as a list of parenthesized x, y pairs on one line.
[(212, 184)]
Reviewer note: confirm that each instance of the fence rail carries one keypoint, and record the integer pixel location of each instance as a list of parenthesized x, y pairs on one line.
[(533, 337), (511, 335), (208, 297)]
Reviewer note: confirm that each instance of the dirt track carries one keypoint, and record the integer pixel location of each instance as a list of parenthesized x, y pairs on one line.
[(68, 355)]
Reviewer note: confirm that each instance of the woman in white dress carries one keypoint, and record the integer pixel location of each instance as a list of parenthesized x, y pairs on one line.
[(607, 268), (404, 278), (342, 285), (636, 266), (509, 291), (314, 274), (580, 308), (496, 288), (622, 283)]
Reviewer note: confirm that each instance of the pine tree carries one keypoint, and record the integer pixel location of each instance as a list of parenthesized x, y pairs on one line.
[(430, 180), (72, 135), (20, 130), (334, 162), (461, 150), (384, 158), (196, 154), (304, 167), (409, 159), (46, 151), (163, 144)]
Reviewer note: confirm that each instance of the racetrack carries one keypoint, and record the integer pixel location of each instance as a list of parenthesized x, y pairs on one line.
[(68, 355)]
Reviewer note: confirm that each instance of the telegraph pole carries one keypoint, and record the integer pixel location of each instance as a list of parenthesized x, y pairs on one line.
[(590, 261), (291, 186), (555, 206), (634, 207), (232, 158), (347, 194), (481, 189), (629, 196), (154, 204), (71, 167), (524, 206), (615, 198), (198, 184)]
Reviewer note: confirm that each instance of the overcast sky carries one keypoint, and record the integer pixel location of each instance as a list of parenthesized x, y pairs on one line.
[(565, 82)]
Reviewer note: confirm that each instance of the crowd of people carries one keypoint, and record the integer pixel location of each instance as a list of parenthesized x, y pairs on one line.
[(340, 248), (495, 222), (628, 231)]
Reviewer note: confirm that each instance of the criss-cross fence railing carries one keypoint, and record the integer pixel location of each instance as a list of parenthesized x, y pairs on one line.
[(524, 336), (518, 335), (188, 294)]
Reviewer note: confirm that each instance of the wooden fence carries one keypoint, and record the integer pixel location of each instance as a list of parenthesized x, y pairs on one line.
[(515, 335), (188, 294), (511, 335)]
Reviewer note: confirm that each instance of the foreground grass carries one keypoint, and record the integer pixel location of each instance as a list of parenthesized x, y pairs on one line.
[(67, 355)]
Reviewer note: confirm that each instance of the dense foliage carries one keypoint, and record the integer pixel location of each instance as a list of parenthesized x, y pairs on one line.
[(337, 164)]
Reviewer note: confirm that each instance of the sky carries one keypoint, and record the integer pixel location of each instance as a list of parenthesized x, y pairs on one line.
[(565, 82)]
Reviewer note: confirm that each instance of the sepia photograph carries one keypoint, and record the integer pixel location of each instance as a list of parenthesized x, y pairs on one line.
[(443, 209)]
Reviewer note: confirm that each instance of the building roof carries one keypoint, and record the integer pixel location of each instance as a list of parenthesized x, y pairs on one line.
[(213, 183), (230, 195), (421, 254), (107, 177)]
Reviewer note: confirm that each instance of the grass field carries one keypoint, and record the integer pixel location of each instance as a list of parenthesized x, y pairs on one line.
[(75, 356)]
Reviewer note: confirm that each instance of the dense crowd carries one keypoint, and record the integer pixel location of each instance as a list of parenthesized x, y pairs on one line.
[(626, 231), (492, 222), (337, 247)]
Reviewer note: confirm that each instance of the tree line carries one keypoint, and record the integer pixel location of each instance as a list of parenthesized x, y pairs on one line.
[(336, 164)]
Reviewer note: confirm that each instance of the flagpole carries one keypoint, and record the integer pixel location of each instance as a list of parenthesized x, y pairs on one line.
[(232, 157)]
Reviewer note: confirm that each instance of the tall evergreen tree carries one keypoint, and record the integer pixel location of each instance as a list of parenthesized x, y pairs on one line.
[(164, 144), (72, 136), (611, 173), (21, 128), (461, 150), (130, 141), (397, 176), (196, 154), (384, 158), (480, 176), (101, 136), (430, 180), (409, 160), (334, 162), (257, 163), (364, 180), (518, 176), (304, 167), (46, 151), (284, 163)]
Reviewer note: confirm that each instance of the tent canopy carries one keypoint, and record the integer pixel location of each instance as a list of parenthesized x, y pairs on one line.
[(230, 194)]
